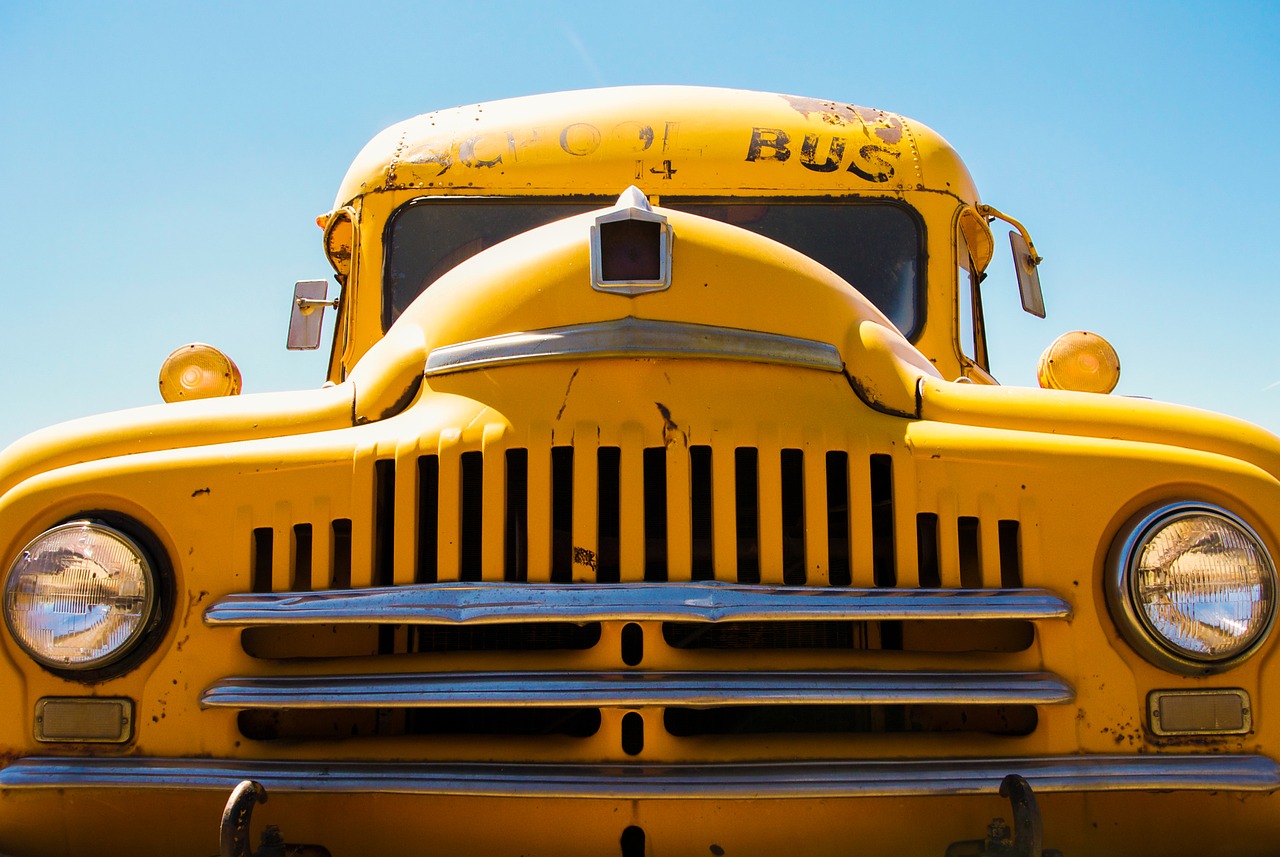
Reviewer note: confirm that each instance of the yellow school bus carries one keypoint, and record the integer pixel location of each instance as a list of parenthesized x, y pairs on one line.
[(658, 501)]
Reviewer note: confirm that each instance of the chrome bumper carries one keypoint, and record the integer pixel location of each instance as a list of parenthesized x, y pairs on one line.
[(782, 780)]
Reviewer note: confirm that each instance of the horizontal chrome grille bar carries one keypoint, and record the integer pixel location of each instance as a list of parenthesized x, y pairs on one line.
[(489, 603), (831, 779), (697, 689), (635, 337)]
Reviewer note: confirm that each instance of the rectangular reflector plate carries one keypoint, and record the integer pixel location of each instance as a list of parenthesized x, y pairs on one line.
[(1199, 712), (84, 720)]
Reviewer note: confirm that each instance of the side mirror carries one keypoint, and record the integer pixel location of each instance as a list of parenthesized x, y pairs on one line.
[(310, 297), (1025, 261), (1025, 265)]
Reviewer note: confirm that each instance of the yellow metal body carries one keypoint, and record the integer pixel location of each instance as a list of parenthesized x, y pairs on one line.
[(894, 479)]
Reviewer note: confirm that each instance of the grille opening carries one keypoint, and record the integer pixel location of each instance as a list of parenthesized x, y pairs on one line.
[(513, 637), (561, 514), (339, 723), (700, 526), (884, 571), (928, 636), (356, 641), (793, 529), (341, 564), (384, 522), (260, 559), (970, 557), (302, 558), (633, 842), (571, 722), (840, 571), (927, 549), (608, 514), (632, 644), (428, 570), (632, 733), (746, 473), (655, 514), (471, 555), (515, 567), (1010, 555), (1005, 720)]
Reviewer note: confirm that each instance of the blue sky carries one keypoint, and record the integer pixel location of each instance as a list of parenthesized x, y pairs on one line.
[(162, 164)]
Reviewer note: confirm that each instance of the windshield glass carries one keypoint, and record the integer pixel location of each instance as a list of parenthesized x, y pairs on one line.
[(876, 247)]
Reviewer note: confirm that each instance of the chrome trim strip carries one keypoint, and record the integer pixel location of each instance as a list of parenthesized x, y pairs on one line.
[(635, 337), (637, 689), (622, 781), (493, 603)]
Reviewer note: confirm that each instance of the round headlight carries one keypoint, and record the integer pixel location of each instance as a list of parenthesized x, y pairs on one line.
[(1193, 588), (80, 596)]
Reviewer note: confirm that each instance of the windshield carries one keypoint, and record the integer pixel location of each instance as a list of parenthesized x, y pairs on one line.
[(876, 247)]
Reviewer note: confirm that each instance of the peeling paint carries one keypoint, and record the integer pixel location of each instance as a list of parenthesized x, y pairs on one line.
[(670, 431)]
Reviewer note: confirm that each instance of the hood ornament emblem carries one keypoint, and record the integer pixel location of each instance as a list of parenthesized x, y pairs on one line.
[(631, 247)]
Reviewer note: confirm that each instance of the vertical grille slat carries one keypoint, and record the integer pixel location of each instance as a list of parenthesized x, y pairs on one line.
[(839, 554), (793, 520), (747, 504), (384, 522), (1010, 555), (882, 536), (970, 555), (515, 568), (470, 567), (700, 513), (655, 514), (302, 557), (562, 514), (608, 514), (427, 570), (341, 563), (927, 548)]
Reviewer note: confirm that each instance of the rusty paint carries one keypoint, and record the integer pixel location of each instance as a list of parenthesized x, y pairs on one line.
[(888, 127), (584, 557), (670, 431)]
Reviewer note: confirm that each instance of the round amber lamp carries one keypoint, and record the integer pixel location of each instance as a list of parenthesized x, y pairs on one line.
[(198, 371)]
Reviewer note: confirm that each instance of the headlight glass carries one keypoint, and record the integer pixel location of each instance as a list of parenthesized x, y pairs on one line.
[(1199, 583), (80, 596)]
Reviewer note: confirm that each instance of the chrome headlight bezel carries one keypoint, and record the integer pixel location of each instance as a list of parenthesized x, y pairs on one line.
[(1132, 619), (151, 621)]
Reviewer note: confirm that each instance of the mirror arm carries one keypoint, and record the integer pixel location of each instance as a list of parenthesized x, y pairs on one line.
[(992, 213)]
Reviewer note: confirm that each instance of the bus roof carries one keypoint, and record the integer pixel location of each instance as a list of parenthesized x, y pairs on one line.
[(667, 140)]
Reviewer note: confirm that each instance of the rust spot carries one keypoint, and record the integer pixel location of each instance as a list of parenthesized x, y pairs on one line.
[(670, 431), (887, 126), (584, 557)]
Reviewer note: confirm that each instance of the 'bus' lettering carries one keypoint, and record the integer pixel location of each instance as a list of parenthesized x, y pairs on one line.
[(768, 144), (809, 154), (875, 156)]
